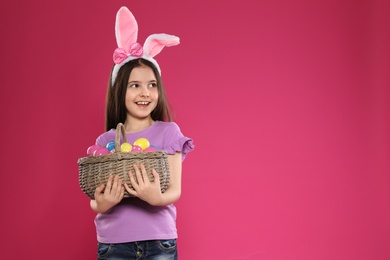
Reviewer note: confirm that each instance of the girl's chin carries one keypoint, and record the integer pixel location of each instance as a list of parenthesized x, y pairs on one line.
[(141, 116)]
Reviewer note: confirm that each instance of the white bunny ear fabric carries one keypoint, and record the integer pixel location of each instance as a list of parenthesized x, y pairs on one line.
[(126, 33)]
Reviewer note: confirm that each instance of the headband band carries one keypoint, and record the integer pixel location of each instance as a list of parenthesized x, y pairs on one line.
[(126, 33)]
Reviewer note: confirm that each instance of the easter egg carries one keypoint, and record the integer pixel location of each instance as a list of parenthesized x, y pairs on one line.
[(101, 151), (126, 147), (142, 142), (150, 149), (92, 149), (136, 148), (110, 146)]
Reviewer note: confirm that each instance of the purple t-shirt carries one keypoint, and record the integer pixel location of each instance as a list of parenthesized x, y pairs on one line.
[(133, 219)]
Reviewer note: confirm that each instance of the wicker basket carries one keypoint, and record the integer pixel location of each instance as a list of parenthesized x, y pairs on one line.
[(95, 170)]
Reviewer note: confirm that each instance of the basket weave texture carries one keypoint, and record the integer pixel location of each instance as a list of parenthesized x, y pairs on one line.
[(95, 170)]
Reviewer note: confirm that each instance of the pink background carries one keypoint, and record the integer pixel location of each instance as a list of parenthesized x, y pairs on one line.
[(287, 102)]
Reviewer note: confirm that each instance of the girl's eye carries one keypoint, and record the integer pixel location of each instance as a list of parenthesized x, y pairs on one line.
[(152, 85), (133, 85)]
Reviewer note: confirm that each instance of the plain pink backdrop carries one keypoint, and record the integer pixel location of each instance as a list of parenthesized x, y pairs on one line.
[(287, 102)]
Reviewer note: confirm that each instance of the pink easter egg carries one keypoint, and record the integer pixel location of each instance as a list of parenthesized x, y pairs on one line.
[(92, 149), (101, 151), (150, 149), (136, 148)]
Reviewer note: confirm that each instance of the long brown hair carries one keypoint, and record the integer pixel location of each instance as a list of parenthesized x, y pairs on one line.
[(116, 94)]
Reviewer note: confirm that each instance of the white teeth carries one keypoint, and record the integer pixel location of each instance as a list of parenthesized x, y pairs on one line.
[(142, 103)]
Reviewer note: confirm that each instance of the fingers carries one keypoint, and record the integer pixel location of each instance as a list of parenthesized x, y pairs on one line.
[(139, 180), (114, 187), (156, 176), (108, 186), (113, 193), (133, 181), (99, 190), (117, 184), (141, 174), (143, 187), (119, 190), (145, 176), (131, 191)]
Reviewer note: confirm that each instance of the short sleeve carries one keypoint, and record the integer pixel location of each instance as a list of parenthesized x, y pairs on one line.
[(176, 141)]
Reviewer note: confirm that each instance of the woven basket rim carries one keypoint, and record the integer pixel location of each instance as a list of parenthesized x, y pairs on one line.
[(117, 156)]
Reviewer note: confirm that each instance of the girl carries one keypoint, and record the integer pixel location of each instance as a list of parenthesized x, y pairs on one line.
[(143, 227)]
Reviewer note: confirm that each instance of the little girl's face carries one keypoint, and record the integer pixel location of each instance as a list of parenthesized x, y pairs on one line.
[(142, 93)]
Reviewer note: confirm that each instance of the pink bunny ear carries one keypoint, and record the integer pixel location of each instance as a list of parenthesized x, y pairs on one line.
[(126, 29), (126, 33), (156, 42)]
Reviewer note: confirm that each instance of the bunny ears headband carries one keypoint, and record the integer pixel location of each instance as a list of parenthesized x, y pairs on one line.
[(126, 32)]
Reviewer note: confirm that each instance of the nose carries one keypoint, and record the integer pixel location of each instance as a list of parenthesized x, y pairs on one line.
[(144, 92)]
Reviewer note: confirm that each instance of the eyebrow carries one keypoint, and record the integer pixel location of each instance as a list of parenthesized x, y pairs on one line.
[(137, 81)]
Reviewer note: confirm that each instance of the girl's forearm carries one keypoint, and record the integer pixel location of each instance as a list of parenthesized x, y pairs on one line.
[(170, 196)]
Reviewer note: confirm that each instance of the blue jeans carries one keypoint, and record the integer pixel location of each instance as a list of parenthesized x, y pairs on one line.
[(150, 250)]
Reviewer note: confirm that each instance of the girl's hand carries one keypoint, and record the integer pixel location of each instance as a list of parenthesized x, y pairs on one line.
[(112, 195), (143, 187)]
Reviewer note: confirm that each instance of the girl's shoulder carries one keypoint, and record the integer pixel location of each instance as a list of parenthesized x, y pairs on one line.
[(166, 129), (106, 137), (167, 126)]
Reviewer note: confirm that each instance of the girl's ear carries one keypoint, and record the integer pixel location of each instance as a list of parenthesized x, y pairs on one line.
[(126, 29), (156, 42)]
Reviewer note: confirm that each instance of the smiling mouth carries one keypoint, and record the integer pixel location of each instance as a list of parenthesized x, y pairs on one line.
[(142, 103)]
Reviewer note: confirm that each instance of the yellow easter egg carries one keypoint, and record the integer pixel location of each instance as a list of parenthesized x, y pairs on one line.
[(126, 147), (142, 142)]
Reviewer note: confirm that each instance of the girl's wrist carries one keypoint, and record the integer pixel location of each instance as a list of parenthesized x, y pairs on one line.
[(100, 207)]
